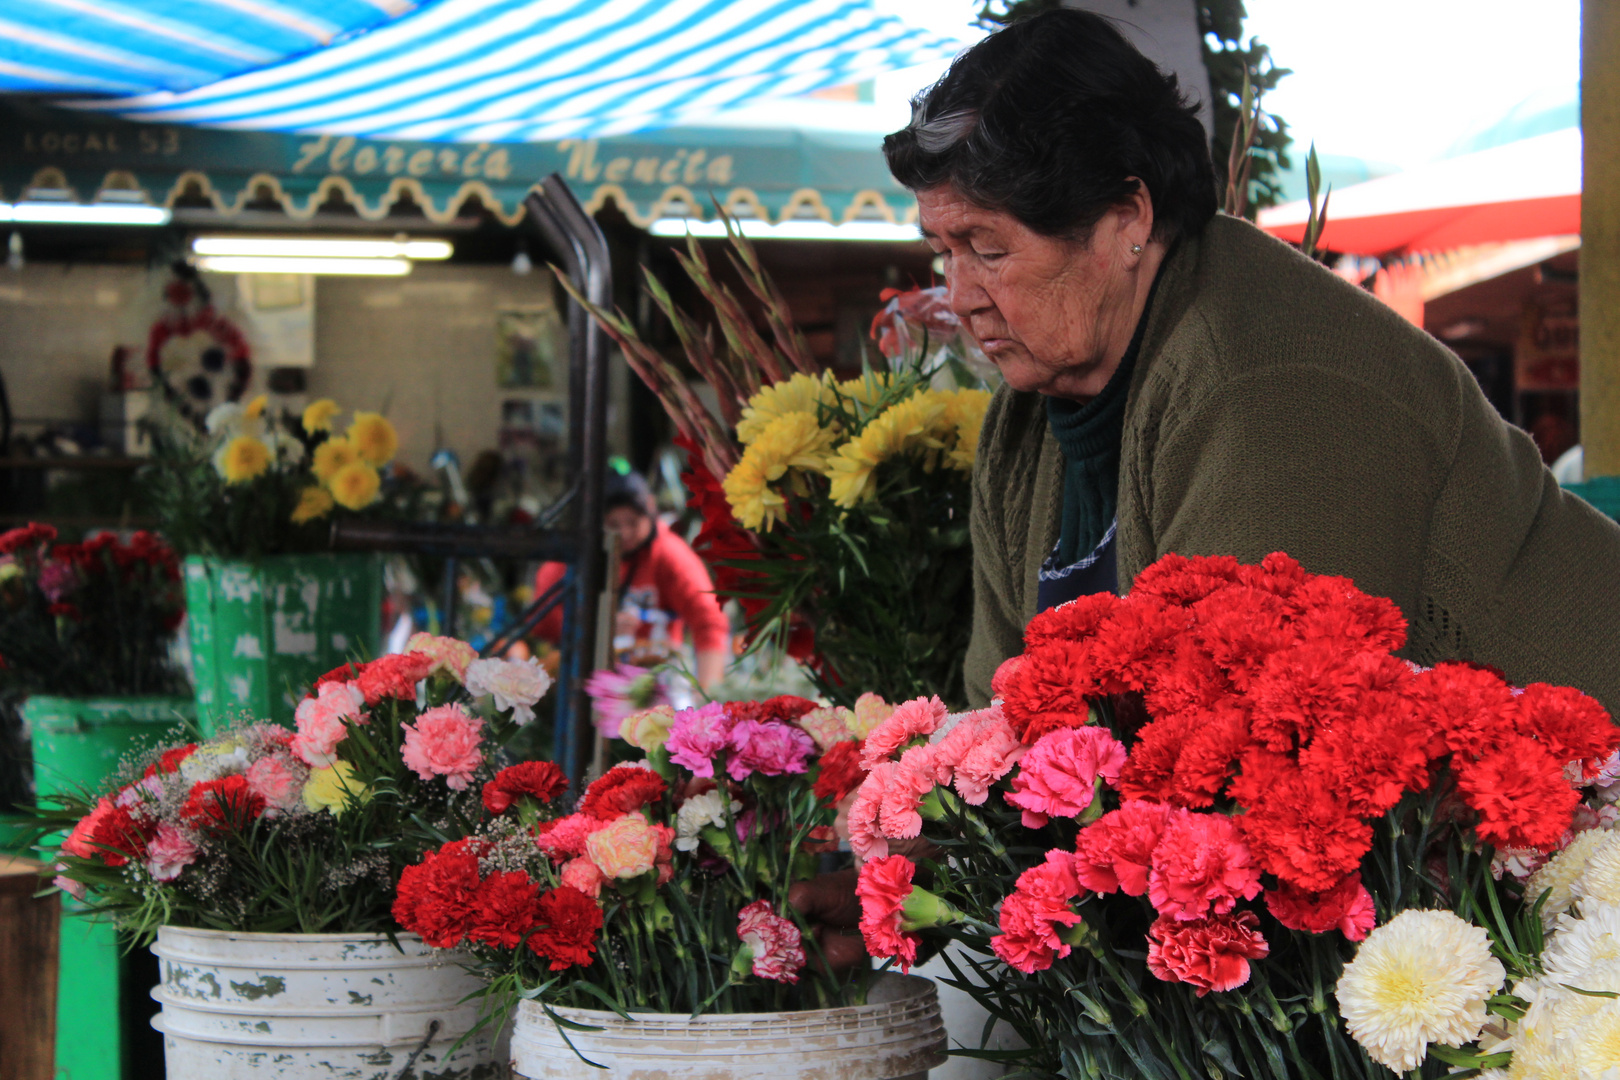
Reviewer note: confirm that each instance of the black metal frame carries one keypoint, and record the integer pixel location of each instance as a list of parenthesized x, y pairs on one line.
[(569, 231)]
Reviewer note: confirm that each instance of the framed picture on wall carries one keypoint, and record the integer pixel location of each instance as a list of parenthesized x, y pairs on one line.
[(530, 342)]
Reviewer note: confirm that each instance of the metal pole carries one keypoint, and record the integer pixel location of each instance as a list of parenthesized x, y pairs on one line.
[(570, 232)]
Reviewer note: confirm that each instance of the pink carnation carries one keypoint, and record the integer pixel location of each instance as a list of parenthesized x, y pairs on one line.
[(275, 781), (169, 852), (583, 875), (995, 750), (565, 837), (883, 887), (913, 777), (777, 944), (1201, 867), (1115, 852), (864, 837), (444, 742), (449, 655), (1058, 777), (918, 718), (1208, 954), (768, 747), (626, 847), (1033, 917), (697, 735), (320, 721)]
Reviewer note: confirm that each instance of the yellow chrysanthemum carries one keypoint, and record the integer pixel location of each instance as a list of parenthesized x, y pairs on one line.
[(355, 486), (333, 454), (791, 441), (242, 458), (1421, 978), (801, 393), (964, 412), (903, 427), (334, 789), (374, 437), (313, 502), (318, 415), (255, 408)]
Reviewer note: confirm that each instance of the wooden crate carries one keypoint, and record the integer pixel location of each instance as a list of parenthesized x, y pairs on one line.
[(28, 944)]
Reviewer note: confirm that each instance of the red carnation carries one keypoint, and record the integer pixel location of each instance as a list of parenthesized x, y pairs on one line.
[(393, 676), (1372, 759), (1239, 628), (171, 759), (1208, 954), (1178, 580), (840, 772), (1135, 643), (1347, 907), (1303, 832), (435, 898), (568, 922), (1572, 726), (221, 805), (1468, 708), (884, 886), (1115, 852), (28, 536), (538, 780), (1035, 916), (1520, 793), (342, 673), (505, 907), (785, 707), (1149, 771), (1049, 690), (110, 833), (1209, 757), (1070, 622), (620, 790)]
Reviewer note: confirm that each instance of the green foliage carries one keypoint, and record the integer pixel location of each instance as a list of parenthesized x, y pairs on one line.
[(1232, 65)]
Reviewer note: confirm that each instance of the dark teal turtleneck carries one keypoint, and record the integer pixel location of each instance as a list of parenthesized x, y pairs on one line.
[(1089, 435)]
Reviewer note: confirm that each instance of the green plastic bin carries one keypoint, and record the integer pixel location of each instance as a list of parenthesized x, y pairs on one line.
[(77, 744), (1602, 492), (262, 631)]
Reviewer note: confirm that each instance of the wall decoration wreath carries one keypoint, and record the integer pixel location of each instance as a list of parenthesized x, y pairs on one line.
[(198, 357)]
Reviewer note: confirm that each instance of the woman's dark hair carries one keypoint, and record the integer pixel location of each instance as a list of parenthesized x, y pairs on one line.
[(1048, 119), (628, 489)]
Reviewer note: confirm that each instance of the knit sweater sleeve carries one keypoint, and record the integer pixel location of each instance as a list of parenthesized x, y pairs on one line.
[(1282, 458), (999, 526)]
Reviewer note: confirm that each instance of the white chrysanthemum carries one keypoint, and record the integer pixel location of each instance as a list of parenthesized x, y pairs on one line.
[(1421, 978), (1599, 882), (1582, 945), (699, 813), (1565, 1035), (1560, 873)]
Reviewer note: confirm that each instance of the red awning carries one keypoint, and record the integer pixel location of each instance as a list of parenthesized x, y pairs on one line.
[(1525, 189)]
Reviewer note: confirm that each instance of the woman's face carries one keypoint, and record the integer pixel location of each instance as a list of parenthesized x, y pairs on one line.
[(1053, 315)]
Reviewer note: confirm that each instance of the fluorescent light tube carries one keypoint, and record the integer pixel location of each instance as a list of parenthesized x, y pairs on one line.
[(789, 230), (66, 213), (265, 264), (320, 248)]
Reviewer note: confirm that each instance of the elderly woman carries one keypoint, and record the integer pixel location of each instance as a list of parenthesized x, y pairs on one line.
[(1176, 381)]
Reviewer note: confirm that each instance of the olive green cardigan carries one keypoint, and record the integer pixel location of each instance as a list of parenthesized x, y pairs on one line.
[(1276, 407)]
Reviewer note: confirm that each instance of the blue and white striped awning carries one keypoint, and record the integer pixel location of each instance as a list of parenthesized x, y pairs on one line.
[(139, 46), (535, 70)]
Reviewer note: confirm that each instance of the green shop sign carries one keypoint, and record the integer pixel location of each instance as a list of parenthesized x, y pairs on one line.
[(771, 174)]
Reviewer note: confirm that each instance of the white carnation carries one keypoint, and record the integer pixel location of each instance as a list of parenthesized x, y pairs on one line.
[(698, 813), (515, 684)]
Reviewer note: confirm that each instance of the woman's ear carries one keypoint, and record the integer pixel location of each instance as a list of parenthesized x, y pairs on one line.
[(1134, 217)]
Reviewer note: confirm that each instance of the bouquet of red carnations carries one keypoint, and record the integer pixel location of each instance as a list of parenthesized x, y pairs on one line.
[(262, 828), (91, 618), (1185, 807), (665, 888)]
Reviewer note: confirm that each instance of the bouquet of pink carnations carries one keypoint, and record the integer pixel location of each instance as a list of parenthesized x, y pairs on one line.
[(665, 888), (1163, 843), (262, 828)]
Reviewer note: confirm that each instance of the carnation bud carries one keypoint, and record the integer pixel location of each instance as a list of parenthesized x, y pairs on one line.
[(742, 965), (1095, 810), (931, 808), (923, 910)]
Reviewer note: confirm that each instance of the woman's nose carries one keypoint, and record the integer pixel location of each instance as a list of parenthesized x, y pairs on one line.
[(964, 292)]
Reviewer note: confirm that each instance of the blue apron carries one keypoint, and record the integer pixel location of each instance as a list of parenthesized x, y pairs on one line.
[(1097, 572)]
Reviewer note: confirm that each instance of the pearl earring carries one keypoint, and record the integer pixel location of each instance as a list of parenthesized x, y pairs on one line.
[(1136, 249)]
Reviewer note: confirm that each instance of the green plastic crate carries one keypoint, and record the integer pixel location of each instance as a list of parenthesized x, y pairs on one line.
[(1603, 492), (263, 631), (77, 742)]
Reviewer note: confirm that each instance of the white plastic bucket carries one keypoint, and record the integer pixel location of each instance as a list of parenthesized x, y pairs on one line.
[(336, 1006), (896, 1034)]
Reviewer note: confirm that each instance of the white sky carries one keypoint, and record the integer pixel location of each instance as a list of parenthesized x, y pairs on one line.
[(1395, 81)]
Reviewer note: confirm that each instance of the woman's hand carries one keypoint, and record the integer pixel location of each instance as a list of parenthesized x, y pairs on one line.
[(829, 904)]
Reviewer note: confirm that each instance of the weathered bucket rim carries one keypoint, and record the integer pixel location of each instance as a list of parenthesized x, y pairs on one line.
[(915, 986)]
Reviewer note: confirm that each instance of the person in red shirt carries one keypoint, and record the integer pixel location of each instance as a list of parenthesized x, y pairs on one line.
[(662, 581)]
